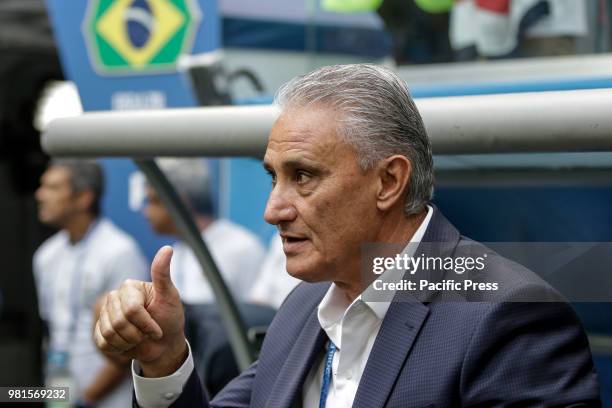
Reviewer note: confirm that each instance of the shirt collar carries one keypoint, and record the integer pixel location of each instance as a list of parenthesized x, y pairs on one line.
[(84, 239), (334, 305)]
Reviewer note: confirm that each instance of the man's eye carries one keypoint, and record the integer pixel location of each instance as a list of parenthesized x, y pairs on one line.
[(272, 177), (302, 177)]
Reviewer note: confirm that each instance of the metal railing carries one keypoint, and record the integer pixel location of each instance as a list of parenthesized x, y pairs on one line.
[(561, 121)]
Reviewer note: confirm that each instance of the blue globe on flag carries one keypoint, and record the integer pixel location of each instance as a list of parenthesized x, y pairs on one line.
[(140, 23)]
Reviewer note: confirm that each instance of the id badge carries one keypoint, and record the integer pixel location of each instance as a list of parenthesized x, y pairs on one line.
[(58, 375)]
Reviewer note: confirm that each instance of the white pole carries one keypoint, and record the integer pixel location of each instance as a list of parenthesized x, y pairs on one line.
[(213, 131), (563, 121)]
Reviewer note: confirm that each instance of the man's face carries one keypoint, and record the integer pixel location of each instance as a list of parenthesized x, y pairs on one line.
[(158, 216), (322, 202), (57, 203)]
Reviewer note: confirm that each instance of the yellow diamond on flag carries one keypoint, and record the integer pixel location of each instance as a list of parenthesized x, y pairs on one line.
[(111, 26)]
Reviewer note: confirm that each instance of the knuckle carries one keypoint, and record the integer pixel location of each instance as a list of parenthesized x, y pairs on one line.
[(98, 339), (125, 284), (102, 344), (130, 282), (132, 336), (110, 297), (132, 310), (118, 323), (107, 332), (103, 312)]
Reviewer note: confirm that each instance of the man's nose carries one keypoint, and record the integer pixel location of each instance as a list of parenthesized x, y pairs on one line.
[(38, 194), (279, 208)]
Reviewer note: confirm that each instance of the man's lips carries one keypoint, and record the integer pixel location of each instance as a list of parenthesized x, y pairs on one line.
[(292, 243)]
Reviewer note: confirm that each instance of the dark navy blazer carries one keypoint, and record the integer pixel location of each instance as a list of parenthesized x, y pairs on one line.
[(479, 353)]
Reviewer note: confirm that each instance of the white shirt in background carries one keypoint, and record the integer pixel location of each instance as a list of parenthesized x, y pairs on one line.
[(274, 283), (69, 279), (496, 34), (237, 253)]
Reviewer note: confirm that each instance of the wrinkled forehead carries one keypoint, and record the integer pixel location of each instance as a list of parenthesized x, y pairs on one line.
[(307, 129)]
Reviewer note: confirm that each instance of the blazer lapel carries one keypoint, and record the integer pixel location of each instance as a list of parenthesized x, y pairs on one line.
[(440, 240), (291, 378), (402, 323), (397, 334)]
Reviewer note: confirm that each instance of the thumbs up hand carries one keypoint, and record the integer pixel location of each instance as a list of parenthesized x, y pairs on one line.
[(145, 321)]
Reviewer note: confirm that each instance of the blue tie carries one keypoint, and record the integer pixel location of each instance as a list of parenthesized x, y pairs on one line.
[(327, 373)]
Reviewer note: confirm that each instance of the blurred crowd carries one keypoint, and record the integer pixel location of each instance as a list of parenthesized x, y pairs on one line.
[(433, 31)]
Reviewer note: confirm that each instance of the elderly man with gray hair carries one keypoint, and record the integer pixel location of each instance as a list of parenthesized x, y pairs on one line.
[(351, 164)]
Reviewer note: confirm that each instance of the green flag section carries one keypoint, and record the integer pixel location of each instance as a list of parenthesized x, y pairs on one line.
[(435, 6), (350, 6)]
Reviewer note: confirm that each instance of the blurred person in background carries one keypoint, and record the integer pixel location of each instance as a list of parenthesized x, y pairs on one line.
[(274, 282), (88, 257), (419, 30), (498, 29), (236, 251)]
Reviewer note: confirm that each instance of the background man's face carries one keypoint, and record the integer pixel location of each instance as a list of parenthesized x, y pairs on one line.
[(158, 216), (57, 203), (322, 202)]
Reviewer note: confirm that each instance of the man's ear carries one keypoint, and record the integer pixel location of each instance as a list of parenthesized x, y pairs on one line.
[(394, 173), (85, 199)]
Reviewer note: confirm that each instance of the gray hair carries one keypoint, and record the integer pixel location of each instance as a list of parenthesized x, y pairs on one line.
[(191, 179), (377, 117), (84, 175)]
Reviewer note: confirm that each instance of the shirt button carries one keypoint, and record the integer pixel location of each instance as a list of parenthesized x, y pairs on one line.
[(349, 375), (169, 395)]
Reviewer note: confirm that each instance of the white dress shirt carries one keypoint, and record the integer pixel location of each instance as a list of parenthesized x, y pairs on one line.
[(69, 279), (352, 327), (237, 253)]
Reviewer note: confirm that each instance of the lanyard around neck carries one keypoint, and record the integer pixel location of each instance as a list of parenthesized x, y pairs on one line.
[(76, 284)]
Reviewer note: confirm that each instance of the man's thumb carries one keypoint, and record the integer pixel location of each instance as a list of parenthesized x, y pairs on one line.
[(160, 270)]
